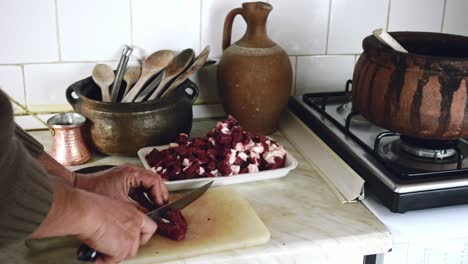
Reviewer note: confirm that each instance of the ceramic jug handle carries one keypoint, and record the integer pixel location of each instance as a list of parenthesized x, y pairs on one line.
[(228, 26)]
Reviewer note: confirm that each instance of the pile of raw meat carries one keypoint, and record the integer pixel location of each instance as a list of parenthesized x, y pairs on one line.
[(226, 150)]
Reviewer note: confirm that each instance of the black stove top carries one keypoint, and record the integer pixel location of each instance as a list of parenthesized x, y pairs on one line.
[(405, 173)]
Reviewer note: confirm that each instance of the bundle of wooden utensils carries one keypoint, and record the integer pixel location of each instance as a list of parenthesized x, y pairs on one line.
[(160, 74)]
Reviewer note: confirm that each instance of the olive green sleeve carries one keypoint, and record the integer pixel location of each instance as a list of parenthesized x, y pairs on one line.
[(31, 144), (25, 186)]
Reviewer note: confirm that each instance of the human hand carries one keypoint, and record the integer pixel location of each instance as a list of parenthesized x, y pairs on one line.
[(119, 182), (113, 227), (116, 233)]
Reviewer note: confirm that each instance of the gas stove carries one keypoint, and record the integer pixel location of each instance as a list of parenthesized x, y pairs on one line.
[(405, 173)]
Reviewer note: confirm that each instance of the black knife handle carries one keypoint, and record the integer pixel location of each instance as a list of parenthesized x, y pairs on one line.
[(86, 253)]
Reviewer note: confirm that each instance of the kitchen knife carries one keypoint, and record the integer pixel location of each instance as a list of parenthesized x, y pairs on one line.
[(149, 88), (86, 253)]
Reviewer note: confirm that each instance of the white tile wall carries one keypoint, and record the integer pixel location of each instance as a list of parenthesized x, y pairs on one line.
[(416, 15), (213, 14), (57, 42), (302, 32), (351, 21), (11, 82), (323, 73), (171, 24), (93, 30), (28, 31), (456, 17), (46, 83), (206, 80)]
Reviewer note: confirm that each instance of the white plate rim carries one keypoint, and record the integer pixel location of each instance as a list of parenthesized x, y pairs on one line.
[(291, 163)]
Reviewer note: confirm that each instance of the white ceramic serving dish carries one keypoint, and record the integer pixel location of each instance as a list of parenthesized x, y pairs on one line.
[(291, 163)]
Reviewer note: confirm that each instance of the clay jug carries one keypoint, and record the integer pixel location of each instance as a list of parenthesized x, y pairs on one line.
[(254, 74)]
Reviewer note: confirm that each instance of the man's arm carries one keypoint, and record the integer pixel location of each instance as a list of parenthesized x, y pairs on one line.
[(50, 164), (116, 182)]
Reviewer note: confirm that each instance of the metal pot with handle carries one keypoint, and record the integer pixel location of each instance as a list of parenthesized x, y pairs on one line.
[(124, 128)]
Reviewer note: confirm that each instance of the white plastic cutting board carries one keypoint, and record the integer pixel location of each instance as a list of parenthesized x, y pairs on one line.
[(219, 220)]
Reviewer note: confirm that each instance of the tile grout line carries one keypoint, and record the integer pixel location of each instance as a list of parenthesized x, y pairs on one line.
[(443, 16), (388, 14), (327, 40), (131, 22), (217, 58), (59, 46), (201, 24), (109, 61), (57, 62), (24, 87)]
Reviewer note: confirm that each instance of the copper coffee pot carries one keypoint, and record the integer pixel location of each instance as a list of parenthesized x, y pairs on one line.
[(68, 145)]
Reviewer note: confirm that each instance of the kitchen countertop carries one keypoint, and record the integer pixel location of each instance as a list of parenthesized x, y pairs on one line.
[(308, 224)]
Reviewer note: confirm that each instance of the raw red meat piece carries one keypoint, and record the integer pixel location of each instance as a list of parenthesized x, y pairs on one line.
[(198, 142), (223, 139), (211, 166), (191, 171), (153, 157), (183, 139), (225, 150), (175, 227), (224, 167)]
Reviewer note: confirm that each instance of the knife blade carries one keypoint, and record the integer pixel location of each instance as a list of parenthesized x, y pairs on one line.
[(86, 253), (149, 88), (180, 203)]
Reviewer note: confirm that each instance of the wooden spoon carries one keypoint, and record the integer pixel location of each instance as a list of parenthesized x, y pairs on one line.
[(177, 65), (131, 76), (196, 65), (103, 76), (387, 39), (151, 66)]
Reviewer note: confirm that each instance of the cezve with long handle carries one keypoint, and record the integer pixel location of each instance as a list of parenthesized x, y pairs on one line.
[(152, 65), (103, 76), (86, 253), (196, 65), (177, 65), (387, 39)]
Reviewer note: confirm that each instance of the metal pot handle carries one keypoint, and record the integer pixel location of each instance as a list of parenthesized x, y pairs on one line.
[(193, 95), (71, 100)]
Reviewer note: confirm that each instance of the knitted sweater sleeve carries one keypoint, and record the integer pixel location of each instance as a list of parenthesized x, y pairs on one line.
[(31, 144), (25, 187)]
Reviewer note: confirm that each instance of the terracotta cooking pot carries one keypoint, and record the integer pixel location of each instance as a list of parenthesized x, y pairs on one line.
[(422, 93), (124, 128)]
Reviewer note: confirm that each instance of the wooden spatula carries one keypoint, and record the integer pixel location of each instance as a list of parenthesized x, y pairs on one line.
[(177, 65), (197, 64), (103, 76), (151, 66)]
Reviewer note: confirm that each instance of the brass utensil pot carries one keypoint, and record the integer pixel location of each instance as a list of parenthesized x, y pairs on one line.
[(124, 128), (422, 93)]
